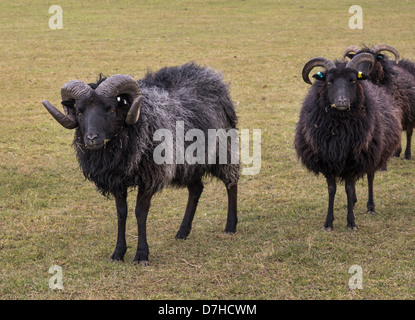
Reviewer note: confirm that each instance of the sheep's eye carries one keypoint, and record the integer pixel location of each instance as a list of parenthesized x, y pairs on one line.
[(353, 80), (110, 110), (79, 113), (121, 101), (329, 82)]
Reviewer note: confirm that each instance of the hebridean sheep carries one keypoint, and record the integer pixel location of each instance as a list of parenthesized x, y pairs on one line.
[(346, 129), (397, 78), (116, 119)]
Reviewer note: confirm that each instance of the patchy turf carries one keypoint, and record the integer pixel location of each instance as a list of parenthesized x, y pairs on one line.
[(49, 215)]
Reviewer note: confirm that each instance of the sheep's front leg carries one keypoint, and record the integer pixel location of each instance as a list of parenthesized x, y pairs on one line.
[(141, 211), (331, 185), (121, 246), (351, 196)]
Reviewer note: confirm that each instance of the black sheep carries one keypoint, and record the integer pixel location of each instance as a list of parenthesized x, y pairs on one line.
[(346, 129), (398, 79), (117, 120)]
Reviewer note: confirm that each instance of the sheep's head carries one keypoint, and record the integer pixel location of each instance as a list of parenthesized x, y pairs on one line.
[(98, 112), (341, 82), (377, 72)]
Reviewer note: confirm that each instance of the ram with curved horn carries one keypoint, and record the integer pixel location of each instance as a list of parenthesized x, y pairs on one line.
[(397, 78), (347, 128), (351, 50), (118, 123)]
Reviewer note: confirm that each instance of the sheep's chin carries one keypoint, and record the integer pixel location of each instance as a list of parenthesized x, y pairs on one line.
[(95, 146), (342, 108)]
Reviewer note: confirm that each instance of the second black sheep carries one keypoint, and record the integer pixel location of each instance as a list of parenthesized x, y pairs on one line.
[(348, 128)]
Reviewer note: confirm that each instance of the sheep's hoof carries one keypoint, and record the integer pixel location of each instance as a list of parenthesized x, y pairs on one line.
[(117, 256), (111, 260), (372, 212), (230, 229), (182, 235), (328, 229), (143, 263), (353, 228)]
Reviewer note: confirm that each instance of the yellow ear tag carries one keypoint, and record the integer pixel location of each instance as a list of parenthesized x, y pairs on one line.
[(359, 74)]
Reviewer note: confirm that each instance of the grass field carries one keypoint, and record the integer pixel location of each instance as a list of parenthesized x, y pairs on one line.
[(49, 215)]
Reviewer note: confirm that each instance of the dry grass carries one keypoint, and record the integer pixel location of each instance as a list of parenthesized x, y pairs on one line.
[(50, 216)]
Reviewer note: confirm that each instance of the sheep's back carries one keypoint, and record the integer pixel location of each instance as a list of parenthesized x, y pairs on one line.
[(403, 91), (180, 99)]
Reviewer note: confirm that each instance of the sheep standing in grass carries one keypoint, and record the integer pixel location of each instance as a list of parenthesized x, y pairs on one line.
[(397, 78), (116, 120), (347, 128)]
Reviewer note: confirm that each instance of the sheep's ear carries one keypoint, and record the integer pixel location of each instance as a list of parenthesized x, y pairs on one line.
[(361, 76), (68, 103), (379, 57), (319, 76)]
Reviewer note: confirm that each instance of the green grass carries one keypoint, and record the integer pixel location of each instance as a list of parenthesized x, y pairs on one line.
[(49, 215)]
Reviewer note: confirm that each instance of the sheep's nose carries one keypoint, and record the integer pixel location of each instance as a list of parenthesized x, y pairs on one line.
[(341, 100), (91, 137)]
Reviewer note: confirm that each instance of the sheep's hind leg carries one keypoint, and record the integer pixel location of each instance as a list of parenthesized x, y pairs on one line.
[(409, 132), (121, 246), (331, 186), (141, 211), (351, 195), (370, 201), (195, 191), (232, 219)]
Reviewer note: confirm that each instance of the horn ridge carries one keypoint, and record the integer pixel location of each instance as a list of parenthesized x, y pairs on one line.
[(119, 84), (75, 89)]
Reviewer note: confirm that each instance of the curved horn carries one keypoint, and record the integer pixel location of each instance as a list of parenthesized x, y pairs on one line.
[(66, 121), (123, 84), (316, 62), (72, 90), (360, 58), (75, 89), (119, 84), (351, 48), (384, 47), (134, 112)]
